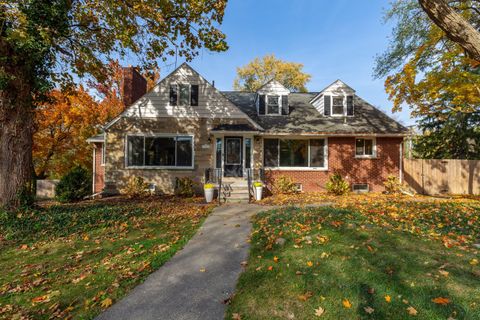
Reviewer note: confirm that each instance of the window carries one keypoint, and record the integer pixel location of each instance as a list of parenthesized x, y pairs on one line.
[(365, 147), (218, 153), (295, 153), (160, 151), (248, 152), (273, 106), (183, 95), (337, 106), (360, 187)]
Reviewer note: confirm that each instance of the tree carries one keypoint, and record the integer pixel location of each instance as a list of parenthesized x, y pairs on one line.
[(49, 42), (63, 123), (456, 27), (261, 70), (450, 136), (425, 69), (431, 74)]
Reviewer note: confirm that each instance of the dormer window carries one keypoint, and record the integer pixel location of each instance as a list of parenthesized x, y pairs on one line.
[(338, 105), (273, 106), (184, 94)]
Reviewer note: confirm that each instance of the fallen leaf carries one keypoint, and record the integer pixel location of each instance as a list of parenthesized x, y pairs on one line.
[(107, 302), (474, 262), (304, 297), (443, 273), (319, 312), (44, 298), (270, 268), (236, 316), (275, 259), (388, 298), (346, 304), (310, 263), (412, 311), (203, 270), (441, 300), (369, 310)]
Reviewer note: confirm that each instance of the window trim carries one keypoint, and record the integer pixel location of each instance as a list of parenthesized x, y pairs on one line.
[(177, 86), (279, 105), (345, 106), (343, 97), (366, 156), (308, 168), (160, 135)]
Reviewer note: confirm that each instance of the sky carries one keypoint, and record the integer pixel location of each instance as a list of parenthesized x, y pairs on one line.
[(333, 39)]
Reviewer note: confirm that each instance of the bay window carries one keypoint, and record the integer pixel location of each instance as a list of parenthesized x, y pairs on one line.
[(295, 153), (160, 151)]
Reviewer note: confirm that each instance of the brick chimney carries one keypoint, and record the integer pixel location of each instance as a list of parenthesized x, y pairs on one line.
[(134, 85)]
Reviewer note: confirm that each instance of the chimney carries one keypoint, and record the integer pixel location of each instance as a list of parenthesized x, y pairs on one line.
[(134, 85)]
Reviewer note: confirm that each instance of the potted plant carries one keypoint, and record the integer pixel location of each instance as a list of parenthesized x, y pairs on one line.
[(258, 190), (209, 190)]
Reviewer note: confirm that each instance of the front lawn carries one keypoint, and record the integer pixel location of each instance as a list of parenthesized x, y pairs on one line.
[(73, 261), (373, 260)]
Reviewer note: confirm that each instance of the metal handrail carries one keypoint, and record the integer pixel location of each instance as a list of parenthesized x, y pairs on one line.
[(249, 184)]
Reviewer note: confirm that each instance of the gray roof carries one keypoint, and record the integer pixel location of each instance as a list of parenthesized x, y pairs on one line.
[(234, 127), (98, 138), (304, 118)]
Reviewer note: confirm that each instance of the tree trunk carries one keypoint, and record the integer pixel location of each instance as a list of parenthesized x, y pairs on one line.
[(16, 124), (454, 25)]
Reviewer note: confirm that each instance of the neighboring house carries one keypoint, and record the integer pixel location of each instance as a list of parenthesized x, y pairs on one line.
[(184, 126)]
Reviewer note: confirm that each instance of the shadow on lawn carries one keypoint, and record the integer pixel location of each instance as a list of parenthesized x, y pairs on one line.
[(368, 263)]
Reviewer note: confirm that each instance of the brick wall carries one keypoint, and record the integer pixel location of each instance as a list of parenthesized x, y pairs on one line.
[(99, 177), (341, 158)]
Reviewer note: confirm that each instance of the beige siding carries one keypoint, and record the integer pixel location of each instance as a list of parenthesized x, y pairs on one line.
[(211, 103), (117, 174)]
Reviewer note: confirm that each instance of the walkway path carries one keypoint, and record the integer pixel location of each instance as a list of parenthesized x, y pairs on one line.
[(196, 281)]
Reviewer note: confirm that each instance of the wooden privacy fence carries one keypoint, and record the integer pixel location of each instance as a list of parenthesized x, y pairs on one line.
[(442, 176)]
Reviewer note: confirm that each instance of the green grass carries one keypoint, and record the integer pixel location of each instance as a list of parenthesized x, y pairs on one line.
[(69, 261), (356, 258)]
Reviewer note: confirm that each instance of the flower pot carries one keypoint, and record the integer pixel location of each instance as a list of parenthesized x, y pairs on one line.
[(258, 193), (209, 194)]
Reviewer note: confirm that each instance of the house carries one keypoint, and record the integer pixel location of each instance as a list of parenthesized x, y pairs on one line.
[(185, 127)]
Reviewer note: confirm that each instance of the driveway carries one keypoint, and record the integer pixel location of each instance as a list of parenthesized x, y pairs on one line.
[(195, 283)]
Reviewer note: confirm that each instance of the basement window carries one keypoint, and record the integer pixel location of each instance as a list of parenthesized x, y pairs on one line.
[(360, 187)]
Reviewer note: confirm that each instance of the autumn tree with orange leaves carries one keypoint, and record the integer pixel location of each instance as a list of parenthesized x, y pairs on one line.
[(63, 124)]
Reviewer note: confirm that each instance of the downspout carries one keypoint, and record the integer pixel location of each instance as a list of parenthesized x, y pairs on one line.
[(94, 166), (401, 162)]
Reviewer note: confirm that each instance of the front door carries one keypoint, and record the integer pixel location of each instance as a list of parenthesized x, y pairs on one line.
[(233, 157)]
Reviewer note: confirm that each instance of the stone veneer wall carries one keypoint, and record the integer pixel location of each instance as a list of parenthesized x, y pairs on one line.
[(117, 174)]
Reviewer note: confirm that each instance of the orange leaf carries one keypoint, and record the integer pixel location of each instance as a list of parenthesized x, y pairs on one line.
[(441, 300), (388, 298), (346, 304)]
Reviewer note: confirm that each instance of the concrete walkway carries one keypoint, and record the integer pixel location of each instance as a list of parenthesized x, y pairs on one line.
[(196, 281)]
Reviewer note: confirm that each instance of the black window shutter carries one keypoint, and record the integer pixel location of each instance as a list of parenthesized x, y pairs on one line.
[(194, 95), (285, 109), (261, 104), (349, 105), (173, 95), (326, 105)]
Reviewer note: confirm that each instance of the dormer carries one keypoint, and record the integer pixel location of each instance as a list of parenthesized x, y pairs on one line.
[(272, 99), (336, 100)]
